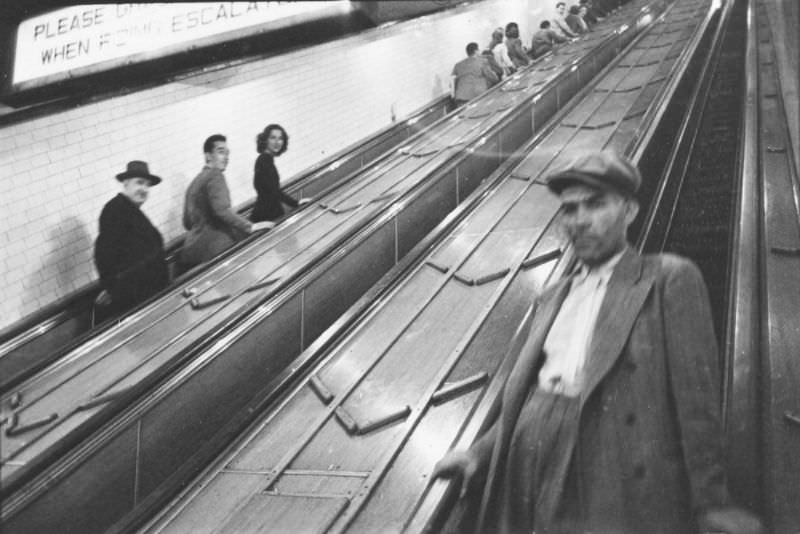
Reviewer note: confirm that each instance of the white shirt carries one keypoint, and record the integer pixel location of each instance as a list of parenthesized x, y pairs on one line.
[(571, 332), (500, 52)]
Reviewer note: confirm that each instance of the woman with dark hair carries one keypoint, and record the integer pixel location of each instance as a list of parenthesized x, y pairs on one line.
[(270, 143)]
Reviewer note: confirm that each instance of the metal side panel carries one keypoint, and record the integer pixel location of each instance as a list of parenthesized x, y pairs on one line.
[(196, 411), (331, 293), (417, 220), (108, 477)]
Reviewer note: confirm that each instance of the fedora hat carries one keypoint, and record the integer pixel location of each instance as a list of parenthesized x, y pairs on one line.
[(138, 169), (600, 169)]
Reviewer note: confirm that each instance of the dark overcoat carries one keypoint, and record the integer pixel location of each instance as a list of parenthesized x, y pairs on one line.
[(270, 199), (129, 254), (212, 224), (648, 452)]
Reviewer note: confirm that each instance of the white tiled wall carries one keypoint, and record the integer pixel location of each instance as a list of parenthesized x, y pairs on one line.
[(59, 169)]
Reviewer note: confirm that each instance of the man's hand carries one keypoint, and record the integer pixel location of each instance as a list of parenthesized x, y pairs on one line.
[(103, 299), (457, 464), (730, 520), (264, 225)]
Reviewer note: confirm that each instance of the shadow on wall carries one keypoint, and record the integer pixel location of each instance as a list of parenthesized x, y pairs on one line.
[(438, 87), (64, 268), (172, 225)]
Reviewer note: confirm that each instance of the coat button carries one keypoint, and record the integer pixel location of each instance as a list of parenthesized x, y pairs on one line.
[(639, 471), (631, 365), (630, 419)]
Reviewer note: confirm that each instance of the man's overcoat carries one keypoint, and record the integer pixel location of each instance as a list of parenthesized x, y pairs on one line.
[(212, 224), (129, 254), (648, 452)]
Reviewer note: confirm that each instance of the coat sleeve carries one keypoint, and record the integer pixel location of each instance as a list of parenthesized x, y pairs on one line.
[(694, 379), (220, 202), (489, 73), (110, 245)]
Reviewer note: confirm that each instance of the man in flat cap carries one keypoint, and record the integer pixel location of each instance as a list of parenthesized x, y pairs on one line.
[(610, 419), (129, 251)]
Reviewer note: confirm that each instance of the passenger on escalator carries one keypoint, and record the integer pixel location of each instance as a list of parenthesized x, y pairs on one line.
[(270, 143), (500, 51), (516, 51), (609, 420), (472, 76), (212, 224), (595, 12), (129, 251), (559, 23), (544, 40), (575, 21)]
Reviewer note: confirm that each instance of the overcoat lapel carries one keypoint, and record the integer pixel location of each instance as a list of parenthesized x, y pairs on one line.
[(627, 291), (516, 391)]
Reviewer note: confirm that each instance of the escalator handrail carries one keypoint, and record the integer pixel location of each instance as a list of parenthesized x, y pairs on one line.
[(740, 399)]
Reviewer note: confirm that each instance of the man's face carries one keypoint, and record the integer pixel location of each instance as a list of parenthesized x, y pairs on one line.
[(596, 221), (136, 189), (218, 158), (561, 8)]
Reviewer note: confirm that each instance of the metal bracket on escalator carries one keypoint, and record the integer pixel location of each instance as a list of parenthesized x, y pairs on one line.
[(455, 389), (198, 304), (337, 211), (478, 114), (322, 391), (634, 114), (441, 268), (481, 279), (770, 95), (511, 88), (776, 149), (15, 401), (381, 198), (786, 251), (598, 126), (353, 428), (541, 259), (628, 89), (262, 285), (189, 292), (15, 429), (102, 399), (523, 177), (791, 418)]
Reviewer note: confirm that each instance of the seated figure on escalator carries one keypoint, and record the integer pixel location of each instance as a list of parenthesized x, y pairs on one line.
[(129, 251), (270, 144)]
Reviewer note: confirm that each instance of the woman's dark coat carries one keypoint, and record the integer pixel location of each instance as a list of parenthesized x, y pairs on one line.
[(268, 187)]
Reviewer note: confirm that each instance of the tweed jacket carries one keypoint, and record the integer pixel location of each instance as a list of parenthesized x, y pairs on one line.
[(473, 76), (648, 453), (212, 224), (129, 254)]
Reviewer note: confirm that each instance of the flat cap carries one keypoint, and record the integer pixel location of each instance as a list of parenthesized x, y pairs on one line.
[(602, 169)]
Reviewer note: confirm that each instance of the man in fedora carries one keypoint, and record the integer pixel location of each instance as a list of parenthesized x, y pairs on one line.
[(129, 252), (609, 421)]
